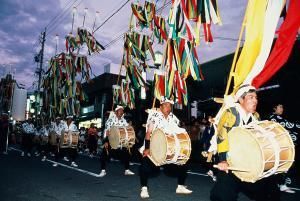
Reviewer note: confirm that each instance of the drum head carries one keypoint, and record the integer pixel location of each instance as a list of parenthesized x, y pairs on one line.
[(114, 137), (245, 154), (158, 146), (284, 140)]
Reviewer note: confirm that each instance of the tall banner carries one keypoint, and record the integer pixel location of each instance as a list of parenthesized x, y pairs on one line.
[(19, 104)]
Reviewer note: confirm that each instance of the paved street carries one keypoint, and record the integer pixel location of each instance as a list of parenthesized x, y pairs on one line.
[(30, 179)]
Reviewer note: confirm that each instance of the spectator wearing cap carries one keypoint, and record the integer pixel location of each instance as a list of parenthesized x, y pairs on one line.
[(92, 139), (117, 119)]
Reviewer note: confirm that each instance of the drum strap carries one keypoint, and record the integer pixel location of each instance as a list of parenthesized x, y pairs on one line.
[(126, 133), (70, 137), (275, 146)]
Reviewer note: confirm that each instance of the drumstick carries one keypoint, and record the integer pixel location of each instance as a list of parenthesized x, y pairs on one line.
[(233, 169)]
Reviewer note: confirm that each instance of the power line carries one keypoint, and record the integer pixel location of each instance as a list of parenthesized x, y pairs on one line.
[(59, 13), (113, 41), (111, 16), (62, 18)]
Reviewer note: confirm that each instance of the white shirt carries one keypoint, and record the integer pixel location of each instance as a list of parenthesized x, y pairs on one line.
[(244, 116), (44, 131), (57, 128), (169, 125), (113, 120), (72, 127), (28, 128)]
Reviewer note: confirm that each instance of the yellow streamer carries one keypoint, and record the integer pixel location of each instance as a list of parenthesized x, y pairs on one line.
[(254, 33)]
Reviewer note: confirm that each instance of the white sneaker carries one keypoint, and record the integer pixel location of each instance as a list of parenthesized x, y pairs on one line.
[(52, 154), (144, 192), (102, 173), (73, 164), (55, 165), (22, 154), (183, 190), (28, 154), (286, 189), (66, 159), (44, 158), (128, 172)]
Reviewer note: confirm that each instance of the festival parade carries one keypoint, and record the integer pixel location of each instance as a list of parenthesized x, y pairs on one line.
[(111, 100)]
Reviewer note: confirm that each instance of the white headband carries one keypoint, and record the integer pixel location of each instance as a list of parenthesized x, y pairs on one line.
[(166, 100), (119, 107), (243, 89)]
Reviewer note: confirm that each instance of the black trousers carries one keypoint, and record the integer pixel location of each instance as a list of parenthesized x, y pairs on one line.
[(62, 152), (228, 186), (73, 153), (92, 144), (122, 154), (3, 139), (43, 149), (27, 143), (147, 167)]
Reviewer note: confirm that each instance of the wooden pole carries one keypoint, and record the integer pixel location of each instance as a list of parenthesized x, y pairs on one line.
[(233, 66)]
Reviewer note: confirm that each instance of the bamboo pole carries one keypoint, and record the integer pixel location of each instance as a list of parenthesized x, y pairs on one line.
[(233, 66)]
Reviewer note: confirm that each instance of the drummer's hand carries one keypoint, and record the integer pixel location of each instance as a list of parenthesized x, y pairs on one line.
[(106, 145), (223, 166), (146, 152)]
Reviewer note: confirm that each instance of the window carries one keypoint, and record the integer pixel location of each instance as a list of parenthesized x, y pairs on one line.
[(88, 109)]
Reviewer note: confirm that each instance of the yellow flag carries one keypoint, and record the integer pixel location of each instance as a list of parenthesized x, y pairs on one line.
[(255, 17)]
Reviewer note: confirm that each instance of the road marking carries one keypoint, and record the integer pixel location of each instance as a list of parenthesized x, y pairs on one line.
[(11, 148), (97, 175), (74, 168), (196, 173), (66, 166)]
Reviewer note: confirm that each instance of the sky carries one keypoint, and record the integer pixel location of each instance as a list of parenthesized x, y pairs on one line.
[(22, 22)]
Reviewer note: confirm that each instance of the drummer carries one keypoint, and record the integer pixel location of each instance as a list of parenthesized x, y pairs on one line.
[(228, 185), (57, 127), (116, 118), (70, 126), (161, 119), (44, 148), (27, 136)]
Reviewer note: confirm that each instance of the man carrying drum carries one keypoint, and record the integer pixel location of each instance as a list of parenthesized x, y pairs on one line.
[(160, 119), (117, 119), (70, 127), (44, 146), (27, 136), (228, 185), (55, 133)]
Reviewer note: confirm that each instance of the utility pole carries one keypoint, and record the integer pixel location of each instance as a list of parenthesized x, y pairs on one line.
[(41, 60), (40, 71)]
